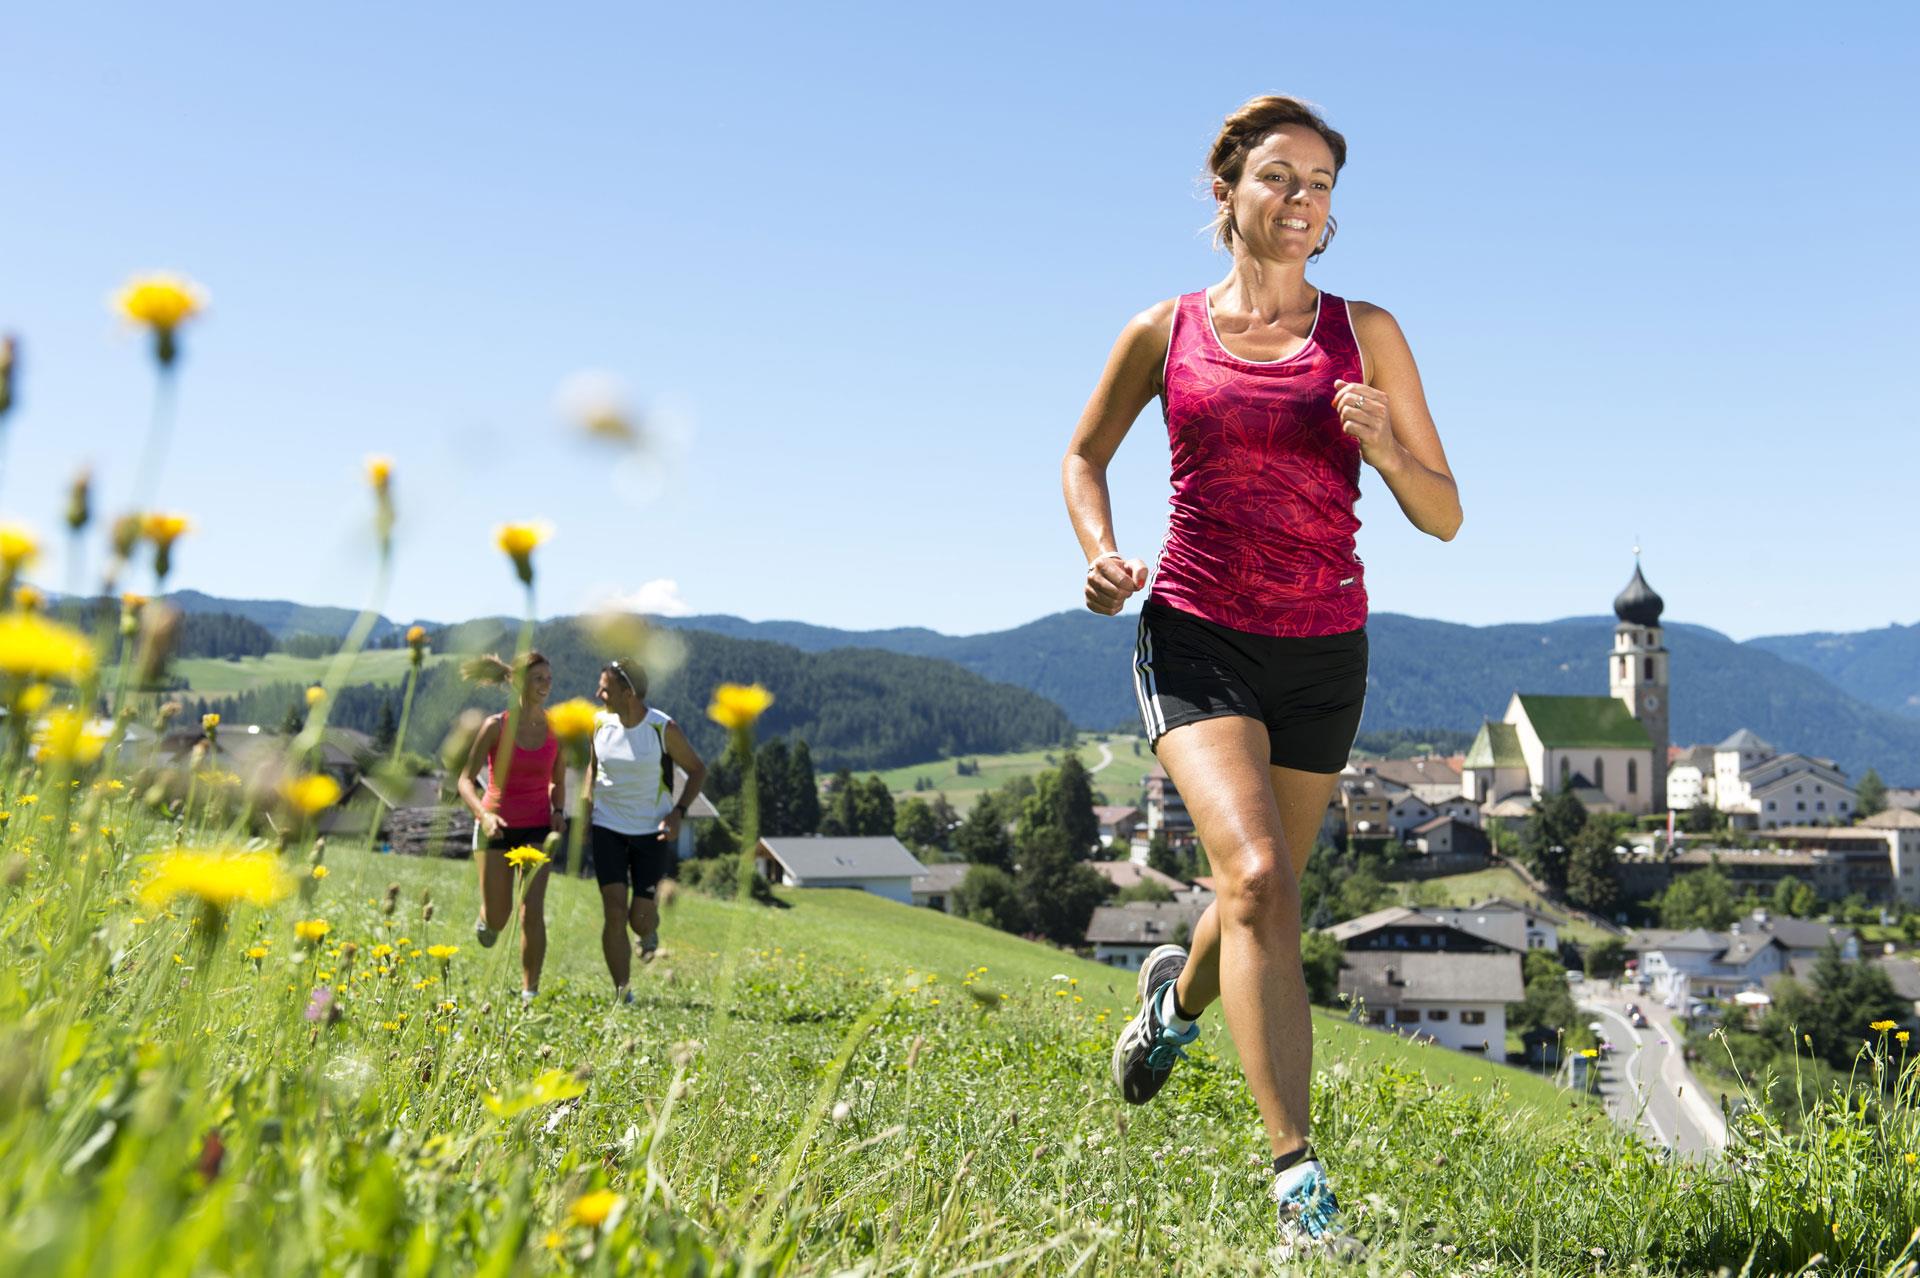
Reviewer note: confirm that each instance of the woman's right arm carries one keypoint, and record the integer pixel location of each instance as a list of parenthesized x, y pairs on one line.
[(477, 756), (1127, 385)]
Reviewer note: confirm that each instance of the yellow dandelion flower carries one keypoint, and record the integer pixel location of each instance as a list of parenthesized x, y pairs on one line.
[(34, 647), (1881, 1027), (593, 1209), (315, 695), (379, 472), (1902, 1037), (18, 548), (66, 738), (416, 636), (320, 871), (162, 301), (312, 929), (257, 952), (573, 720), (737, 706), (312, 794), (220, 878), (442, 952), (28, 599), (518, 542), (381, 950), (163, 529), (208, 722), (526, 858)]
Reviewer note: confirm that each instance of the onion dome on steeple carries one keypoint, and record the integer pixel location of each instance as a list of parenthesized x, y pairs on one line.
[(1638, 604)]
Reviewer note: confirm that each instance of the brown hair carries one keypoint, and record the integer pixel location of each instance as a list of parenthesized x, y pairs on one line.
[(1246, 129), (492, 669)]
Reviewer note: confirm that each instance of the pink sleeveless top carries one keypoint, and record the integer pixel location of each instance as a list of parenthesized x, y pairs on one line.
[(1264, 481), (525, 801)]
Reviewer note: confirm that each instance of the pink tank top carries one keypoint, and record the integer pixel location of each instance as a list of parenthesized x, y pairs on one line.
[(1264, 481), (525, 801)]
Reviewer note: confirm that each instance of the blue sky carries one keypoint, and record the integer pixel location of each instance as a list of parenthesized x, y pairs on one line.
[(1657, 266)]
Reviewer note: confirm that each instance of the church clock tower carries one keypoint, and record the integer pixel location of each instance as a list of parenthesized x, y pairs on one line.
[(1637, 672)]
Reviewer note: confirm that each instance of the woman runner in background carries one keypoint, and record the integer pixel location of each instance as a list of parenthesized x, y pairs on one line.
[(524, 801), (636, 820), (1251, 663)]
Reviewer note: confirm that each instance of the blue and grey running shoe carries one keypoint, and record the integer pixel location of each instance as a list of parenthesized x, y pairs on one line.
[(1147, 1050), (1310, 1216)]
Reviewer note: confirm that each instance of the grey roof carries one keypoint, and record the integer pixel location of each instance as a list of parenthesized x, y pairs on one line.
[(1795, 934), (1125, 874), (1108, 813), (1656, 938), (1501, 905), (1745, 740), (1142, 922), (1904, 974), (944, 877), (1638, 604), (1700, 757), (1893, 819), (882, 857), (1402, 916), (1742, 948), (1431, 978), (1414, 773)]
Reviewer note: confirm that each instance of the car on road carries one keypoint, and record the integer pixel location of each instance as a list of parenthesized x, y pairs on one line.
[(1636, 1017)]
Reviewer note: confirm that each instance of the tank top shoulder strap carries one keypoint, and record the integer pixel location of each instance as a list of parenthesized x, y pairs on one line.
[(1334, 334), (1189, 315)]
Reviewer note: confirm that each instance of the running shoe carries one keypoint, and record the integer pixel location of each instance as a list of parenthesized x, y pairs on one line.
[(484, 934), (527, 997), (624, 996), (1309, 1215), (1147, 1050), (649, 946)]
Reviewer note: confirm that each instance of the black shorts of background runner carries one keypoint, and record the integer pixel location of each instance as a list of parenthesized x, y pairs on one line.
[(519, 836), (638, 860), (1308, 691)]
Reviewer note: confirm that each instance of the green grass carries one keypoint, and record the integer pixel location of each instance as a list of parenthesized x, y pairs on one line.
[(840, 1086), (214, 677), (1465, 889), (1119, 780)]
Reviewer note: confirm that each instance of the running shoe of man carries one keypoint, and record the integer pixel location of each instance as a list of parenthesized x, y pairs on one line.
[(649, 947), (1148, 1049), (484, 934), (623, 996), (1309, 1215)]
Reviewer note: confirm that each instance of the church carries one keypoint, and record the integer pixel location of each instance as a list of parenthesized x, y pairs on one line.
[(1610, 751)]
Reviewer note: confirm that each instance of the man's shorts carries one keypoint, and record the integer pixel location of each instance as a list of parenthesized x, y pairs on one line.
[(637, 860), (1307, 691)]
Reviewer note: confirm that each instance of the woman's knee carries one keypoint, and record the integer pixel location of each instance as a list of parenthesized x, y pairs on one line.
[(1261, 891)]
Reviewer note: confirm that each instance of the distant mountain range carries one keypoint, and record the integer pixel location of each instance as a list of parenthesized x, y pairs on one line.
[(1853, 698)]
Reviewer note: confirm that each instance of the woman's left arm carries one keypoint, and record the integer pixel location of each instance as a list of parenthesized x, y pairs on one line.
[(1396, 432)]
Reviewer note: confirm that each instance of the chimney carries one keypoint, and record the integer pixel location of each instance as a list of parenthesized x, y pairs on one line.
[(1393, 975)]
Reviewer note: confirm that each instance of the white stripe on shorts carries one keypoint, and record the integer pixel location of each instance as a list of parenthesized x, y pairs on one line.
[(1143, 685)]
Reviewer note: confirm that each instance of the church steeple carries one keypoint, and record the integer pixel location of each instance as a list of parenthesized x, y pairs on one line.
[(1637, 673), (1638, 604)]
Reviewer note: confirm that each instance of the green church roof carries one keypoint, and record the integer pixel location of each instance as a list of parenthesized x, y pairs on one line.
[(1585, 722), (1496, 746)]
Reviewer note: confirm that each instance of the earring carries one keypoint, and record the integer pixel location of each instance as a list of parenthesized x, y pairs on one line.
[(1326, 237)]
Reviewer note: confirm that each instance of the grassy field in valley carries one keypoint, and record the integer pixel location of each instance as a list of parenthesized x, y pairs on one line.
[(1465, 889), (1119, 779), (217, 677)]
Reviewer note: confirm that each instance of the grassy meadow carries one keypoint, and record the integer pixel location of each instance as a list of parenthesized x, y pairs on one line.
[(1465, 889), (218, 677), (1119, 780)]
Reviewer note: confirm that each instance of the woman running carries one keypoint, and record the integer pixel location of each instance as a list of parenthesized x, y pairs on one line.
[(1251, 663), (524, 801), (636, 820)]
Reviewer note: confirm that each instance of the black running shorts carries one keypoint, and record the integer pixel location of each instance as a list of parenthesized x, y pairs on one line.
[(518, 836), (638, 860), (1307, 691)]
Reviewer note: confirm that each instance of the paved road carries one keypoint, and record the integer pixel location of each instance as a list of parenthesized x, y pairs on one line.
[(1645, 1081), (1106, 757)]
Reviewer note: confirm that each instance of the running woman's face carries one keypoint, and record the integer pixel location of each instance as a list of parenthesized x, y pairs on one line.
[(539, 682), (1281, 203)]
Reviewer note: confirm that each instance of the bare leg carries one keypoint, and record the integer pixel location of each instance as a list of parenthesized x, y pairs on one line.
[(613, 933), (1302, 797), (644, 917), (496, 887), (1221, 769), (533, 928)]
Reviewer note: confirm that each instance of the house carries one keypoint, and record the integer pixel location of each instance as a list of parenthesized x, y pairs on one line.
[(1518, 926), (1901, 829), (1166, 810), (1738, 753), (1406, 812), (1449, 845), (1793, 789), (1123, 935), (1904, 796), (1363, 803), (1401, 928), (1126, 874), (880, 865), (1848, 860), (1690, 779), (1745, 957), (1455, 1000), (935, 888), (1904, 975), (1431, 778), (1117, 823)]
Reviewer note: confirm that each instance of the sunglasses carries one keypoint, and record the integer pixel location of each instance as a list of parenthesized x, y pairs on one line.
[(625, 678)]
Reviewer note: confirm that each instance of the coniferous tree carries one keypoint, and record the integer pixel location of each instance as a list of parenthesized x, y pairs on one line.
[(872, 807), (944, 821), (1872, 794), (1592, 875), (1059, 891), (982, 837), (803, 791), (840, 820), (1073, 806), (1547, 841), (771, 771), (385, 729)]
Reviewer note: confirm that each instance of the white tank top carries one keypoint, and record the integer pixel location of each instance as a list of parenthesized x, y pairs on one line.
[(632, 776)]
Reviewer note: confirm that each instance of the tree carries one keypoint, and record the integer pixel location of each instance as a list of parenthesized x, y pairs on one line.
[(1059, 891), (1701, 818), (1162, 857), (803, 791), (1592, 873), (387, 727), (1144, 890), (1606, 958), (1320, 957), (1547, 841), (1871, 797), (1794, 899), (1844, 1000), (1548, 1005), (839, 820), (770, 767), (872, 807), (989, 895), (944, 821), (1702, 898), (982, 838), (1073, 806), (913, 824), (294, 721)]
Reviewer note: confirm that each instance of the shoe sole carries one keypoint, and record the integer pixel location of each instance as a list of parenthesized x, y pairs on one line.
[(1153, 956), (1117, 1063)]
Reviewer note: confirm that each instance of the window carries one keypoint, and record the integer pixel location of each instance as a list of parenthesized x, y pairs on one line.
[(1471, 1017), (1800, 806), (1633, 776), (1376, 1016), (1566, 770), (1437, 1014), (1649, 669), (1407, 1015), (1820, 806), (1599, 773)]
